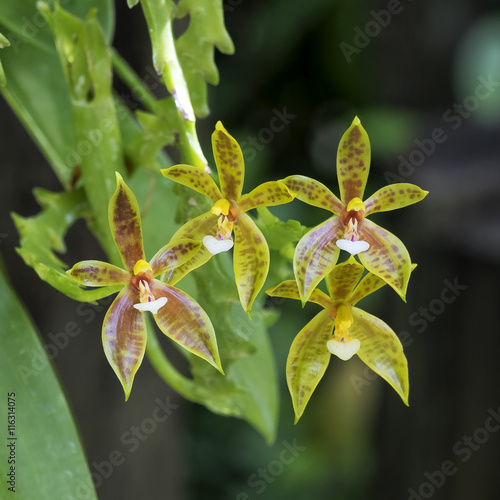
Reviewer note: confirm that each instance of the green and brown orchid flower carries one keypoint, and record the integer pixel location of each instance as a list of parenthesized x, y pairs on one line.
[(379, 251), (228, 214), (354, 332), (177, 315)]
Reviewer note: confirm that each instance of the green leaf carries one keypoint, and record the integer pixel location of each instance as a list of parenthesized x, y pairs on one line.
[(195, 48), (49, 458), (35, 86), (43, 234), (86, 61)]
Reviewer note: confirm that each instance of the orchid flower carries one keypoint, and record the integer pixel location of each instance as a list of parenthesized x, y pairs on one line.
[(379, 251), (354, 332), (228, 214), (177, 315)]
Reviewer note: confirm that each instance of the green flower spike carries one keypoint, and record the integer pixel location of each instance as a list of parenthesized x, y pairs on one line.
[(379, 251), (177, 315), (215, 228), (354, 332)]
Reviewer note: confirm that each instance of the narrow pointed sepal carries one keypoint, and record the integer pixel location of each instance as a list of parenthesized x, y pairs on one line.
[(343, 279), (174, 254), (387, 256), (97, 273), (313, 193), (251, 260), (194, 178), (394, 196), (353, 162), (268, 194), (125, 223), (308, 360), (229, 161), (124, 337), (316, 254), (183, 320), (381, 350), (289, 290)]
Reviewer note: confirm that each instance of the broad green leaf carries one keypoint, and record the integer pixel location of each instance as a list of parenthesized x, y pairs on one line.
[(86, 61), (36, 89), (49, 460), (381, 350), (353, 162), (43, 234), (308, 360)]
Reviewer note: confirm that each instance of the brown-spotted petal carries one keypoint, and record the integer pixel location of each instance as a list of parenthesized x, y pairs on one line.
[(343, 278), (288, 289), (251, 260), (394, 196), (381, 350), (353, 162), (313, 193), (369, 284), (185, 322), (125, 223), (194, 178), (316, 254), (124, 337), (229, 161), (308, 360), (174, 254), (268, 194), (195, 229), (97, 273), (387, 256)]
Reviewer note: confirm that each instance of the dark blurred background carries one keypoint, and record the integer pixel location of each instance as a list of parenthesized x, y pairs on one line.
[(424, 78)]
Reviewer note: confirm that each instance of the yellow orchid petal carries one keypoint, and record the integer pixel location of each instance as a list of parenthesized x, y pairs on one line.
[(343, 278), (381, 350), (229, 161), (394, 196), (316, 254), (194, 178), (308, 360), (125, 223), (268, 194), (313, 193), (288, 289), (387, 256), (97, 273), (251, 260), (353, 162)]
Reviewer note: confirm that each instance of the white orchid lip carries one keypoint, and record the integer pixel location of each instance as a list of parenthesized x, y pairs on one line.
[(353, 247), (152, 306), (344, 350), (215, 246)]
